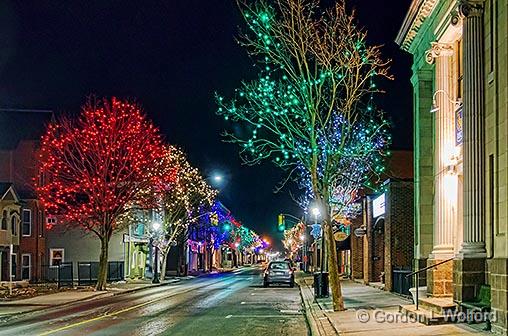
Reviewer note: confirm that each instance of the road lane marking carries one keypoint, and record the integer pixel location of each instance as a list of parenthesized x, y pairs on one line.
[(290, 312), (259, 316), (70, 326)]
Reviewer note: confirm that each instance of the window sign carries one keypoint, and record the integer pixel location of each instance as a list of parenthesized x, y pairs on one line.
[(378, 206)]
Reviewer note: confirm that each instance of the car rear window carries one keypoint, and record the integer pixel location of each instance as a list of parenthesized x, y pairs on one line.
[(279, 265)]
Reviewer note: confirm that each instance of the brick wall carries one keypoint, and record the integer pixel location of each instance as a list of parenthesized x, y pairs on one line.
[(356, 250), (399, 228)]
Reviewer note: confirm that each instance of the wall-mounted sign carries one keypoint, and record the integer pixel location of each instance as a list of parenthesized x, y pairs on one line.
[(360, 232), (378, 206), (458, 126), (340, 236)]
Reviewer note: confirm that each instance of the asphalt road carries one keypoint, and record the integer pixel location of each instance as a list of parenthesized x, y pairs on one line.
[(222, 304)]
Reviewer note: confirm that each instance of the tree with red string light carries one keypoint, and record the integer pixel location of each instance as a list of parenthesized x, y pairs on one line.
[(98, 167)]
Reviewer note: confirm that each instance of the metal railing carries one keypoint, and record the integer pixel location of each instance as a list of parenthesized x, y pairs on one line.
[(61, 274), (417, 275), (88, 272)]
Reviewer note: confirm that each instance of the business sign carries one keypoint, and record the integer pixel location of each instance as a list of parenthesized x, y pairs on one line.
[(340, 236), (378, 206), (360, 232), (459, 135)]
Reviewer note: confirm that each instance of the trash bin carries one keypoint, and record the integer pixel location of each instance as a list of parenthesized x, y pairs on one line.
[(321, 285)]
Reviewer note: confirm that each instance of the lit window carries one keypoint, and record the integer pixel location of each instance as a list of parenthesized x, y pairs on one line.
[(56, 257)]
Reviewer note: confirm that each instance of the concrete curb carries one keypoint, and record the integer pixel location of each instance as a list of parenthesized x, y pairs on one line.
[(318, 321)]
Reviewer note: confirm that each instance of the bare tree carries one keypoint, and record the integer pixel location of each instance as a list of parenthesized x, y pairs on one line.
[(185, 199), (310, 110)]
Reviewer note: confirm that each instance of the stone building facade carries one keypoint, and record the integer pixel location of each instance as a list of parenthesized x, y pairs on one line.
[(460, 94)]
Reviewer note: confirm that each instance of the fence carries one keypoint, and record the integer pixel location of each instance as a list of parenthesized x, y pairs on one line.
[(88, 272), (62, 274), (401, 283)]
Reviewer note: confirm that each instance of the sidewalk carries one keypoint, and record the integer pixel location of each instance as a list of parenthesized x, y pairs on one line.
[(10, 308), (370, 311)]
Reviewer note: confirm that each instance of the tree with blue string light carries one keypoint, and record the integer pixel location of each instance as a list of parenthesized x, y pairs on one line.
[(311, 109)]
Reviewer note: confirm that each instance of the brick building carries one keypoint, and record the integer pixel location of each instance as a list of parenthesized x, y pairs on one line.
[(21, 130), (387, 220)]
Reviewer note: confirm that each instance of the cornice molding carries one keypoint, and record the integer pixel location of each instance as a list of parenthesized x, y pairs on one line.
[(418, 12)]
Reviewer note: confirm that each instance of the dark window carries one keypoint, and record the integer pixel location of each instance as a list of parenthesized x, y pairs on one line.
[(26, 226), (14, 226), (4, 220), (26, 264), (14, 265)]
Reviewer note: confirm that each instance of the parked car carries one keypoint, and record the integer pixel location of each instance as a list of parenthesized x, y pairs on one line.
[(279, 272)]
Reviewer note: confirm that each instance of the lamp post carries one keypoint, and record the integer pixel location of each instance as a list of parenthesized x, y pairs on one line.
[(316, 213), (304, 252), (156, 227)]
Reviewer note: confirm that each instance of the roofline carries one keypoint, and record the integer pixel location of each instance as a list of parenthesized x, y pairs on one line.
[(418, 11), (15, 110), (11, 188)]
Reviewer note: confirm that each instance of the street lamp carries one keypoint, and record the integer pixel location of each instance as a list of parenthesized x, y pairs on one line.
[(156, 227), (316, 212), (435, 108)]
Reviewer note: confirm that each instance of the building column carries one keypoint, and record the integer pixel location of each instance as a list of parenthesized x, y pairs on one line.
[(445, 201), (444, 150), (469, 269)]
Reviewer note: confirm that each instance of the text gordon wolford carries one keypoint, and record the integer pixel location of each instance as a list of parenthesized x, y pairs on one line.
[(382, 316)]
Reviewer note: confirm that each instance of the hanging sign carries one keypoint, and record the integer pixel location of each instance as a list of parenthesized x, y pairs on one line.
[(340, 236), (459, 136), (378, 206), (360, 232)]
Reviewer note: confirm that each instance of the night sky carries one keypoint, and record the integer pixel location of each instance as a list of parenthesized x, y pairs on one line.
[(171, 56)]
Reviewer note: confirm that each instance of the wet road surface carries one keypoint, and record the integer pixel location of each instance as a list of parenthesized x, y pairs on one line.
[(221, 304)]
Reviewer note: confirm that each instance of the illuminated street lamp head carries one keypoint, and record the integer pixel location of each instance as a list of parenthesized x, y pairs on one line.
[(315, 211), (217, 178), (156, 226)]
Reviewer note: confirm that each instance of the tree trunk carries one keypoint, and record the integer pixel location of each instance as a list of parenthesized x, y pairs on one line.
[(164, 257), (102, 277), (333, 267)]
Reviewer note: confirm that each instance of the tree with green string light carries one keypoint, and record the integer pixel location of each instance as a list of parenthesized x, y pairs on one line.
[(311, 108)]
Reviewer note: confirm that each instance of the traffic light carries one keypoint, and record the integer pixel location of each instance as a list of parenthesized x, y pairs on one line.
[(281, 224)]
